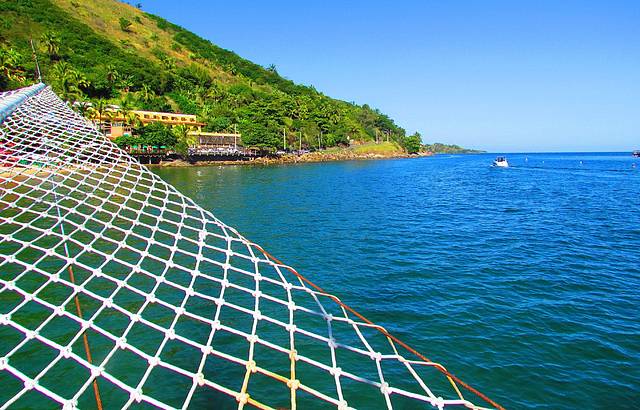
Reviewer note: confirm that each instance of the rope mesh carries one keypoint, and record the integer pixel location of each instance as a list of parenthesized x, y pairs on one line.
[(115, 287)]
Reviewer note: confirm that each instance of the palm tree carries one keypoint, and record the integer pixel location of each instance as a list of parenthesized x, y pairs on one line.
[(62, 75), (82, 107), (112, 74), (132, 119), (9, 64), (79, 81), (52, 43), (147, 93), (125, 83), (68, 80), (100, 108), (124, 109)]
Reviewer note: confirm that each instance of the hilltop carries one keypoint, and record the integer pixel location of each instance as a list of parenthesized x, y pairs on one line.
[(109, 51)]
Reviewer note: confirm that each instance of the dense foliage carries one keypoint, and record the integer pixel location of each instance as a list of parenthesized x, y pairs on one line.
[(226, 91), (440, 148)]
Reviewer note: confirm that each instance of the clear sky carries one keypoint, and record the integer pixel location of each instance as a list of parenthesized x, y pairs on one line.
[(557, 75)]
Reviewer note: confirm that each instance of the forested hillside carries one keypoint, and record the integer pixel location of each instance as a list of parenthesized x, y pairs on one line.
[(110, 52)]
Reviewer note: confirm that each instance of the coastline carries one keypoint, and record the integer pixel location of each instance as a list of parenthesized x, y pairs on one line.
[(311, 157)]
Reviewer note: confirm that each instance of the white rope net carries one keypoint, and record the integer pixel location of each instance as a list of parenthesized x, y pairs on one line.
[(116, 291)]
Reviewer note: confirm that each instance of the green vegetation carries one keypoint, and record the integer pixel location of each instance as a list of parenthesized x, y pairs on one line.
[(439, 148), (108, 52), (125, 24), (154, 134), (413, 143), (383, 148)]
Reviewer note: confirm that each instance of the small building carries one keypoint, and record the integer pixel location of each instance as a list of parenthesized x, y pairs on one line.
[(210, 142)]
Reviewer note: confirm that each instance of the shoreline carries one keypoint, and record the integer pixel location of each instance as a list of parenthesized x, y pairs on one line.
[(311, 157)]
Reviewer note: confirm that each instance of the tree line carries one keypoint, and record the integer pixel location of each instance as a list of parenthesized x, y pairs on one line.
[(83, 66)]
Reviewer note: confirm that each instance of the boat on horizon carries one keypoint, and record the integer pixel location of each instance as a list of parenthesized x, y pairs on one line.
[(636, 153), (501, 162)]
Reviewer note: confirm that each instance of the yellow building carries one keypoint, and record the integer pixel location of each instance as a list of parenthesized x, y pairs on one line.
[(114, 124)]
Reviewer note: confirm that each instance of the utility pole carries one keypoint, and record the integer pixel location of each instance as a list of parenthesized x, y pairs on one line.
[(235, 137), (284, 138), (300, 143), (35, 59)]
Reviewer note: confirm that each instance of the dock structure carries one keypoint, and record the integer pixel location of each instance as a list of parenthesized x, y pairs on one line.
[(217, 141)]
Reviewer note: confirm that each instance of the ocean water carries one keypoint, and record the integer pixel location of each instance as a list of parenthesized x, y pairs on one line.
[(524, 282)]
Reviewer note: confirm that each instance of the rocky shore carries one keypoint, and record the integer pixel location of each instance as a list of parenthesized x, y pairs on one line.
[(318, 156)]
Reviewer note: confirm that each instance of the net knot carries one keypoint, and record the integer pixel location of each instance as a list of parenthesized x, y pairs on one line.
[(384, 388), (438, 402), (332, 343), (199, 379), (137, 395), (5, 319), (251, 366), (343, 405), (294, 384), (4, 362), (97, 371), (121, 343), (70, 405), (242, 398), (30, 384)]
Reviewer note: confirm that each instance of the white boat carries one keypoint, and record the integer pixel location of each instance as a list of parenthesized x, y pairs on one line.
[(500, 162)]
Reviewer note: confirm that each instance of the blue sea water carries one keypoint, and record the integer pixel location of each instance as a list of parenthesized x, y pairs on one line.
[(524, 282)]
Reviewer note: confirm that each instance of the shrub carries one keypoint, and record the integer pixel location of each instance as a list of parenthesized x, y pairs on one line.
[(125, 24)]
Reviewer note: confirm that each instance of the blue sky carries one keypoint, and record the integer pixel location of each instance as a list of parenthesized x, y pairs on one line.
[(507, 76)]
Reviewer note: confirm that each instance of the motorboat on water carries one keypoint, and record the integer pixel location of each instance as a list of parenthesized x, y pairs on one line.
[(500, 162), (636, 153)]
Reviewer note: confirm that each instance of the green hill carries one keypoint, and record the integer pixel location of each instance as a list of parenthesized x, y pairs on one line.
[(107, 50)]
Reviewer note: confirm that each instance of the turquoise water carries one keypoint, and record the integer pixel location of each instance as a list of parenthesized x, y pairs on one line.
[(524, 282)]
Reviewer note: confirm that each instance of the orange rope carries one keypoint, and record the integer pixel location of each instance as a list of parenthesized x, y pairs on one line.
[(85, 339), (383, 331)]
